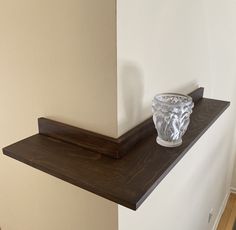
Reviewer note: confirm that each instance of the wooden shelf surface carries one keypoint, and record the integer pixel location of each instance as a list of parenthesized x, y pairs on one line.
[(127, 181)]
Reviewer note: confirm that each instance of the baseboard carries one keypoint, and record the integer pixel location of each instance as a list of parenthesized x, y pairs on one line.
[(224, 203), (233, 190)]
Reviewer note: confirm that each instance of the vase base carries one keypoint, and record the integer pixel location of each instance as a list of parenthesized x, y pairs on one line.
[(167, 143)]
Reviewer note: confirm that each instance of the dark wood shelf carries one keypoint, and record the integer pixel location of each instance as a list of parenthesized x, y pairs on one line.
[(127, 181)]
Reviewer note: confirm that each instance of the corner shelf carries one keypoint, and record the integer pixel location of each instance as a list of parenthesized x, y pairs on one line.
[(80, 157)]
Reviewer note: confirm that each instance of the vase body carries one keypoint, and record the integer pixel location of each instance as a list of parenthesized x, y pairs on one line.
[(171, 116)]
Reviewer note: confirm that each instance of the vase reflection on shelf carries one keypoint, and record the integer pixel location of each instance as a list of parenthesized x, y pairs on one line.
[(171, 116)]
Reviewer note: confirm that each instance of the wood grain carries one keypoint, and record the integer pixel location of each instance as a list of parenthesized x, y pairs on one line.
[(127, 181), (113, 147), (83, 138)]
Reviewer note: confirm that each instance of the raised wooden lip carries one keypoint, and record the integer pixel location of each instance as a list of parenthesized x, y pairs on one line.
[(112, 147), (127, 181)]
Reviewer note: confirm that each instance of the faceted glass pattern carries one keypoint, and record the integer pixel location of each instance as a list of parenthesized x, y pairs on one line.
[(171, 116)]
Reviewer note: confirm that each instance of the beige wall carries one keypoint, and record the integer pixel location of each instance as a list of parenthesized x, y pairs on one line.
[(177, 46), (57, 59)]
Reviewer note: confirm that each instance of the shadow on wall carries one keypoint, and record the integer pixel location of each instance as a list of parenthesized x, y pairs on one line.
[(135, 108), (187, 88), (132, 85)]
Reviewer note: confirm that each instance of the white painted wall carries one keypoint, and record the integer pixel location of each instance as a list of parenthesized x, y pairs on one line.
[(172, 46), (175, 46), (57, 59)]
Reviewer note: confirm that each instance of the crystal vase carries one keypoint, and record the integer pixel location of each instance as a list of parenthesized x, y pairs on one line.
[(171, 116)]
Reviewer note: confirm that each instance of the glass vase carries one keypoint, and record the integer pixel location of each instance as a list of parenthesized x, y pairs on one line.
[(171, 116)]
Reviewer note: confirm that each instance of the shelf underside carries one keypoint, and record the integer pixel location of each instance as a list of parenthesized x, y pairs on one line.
[(127, 181)]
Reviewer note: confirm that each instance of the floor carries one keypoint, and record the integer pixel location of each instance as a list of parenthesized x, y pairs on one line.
[(228, 218)]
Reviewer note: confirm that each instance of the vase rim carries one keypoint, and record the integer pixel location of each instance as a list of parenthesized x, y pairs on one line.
[(161, 98)]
